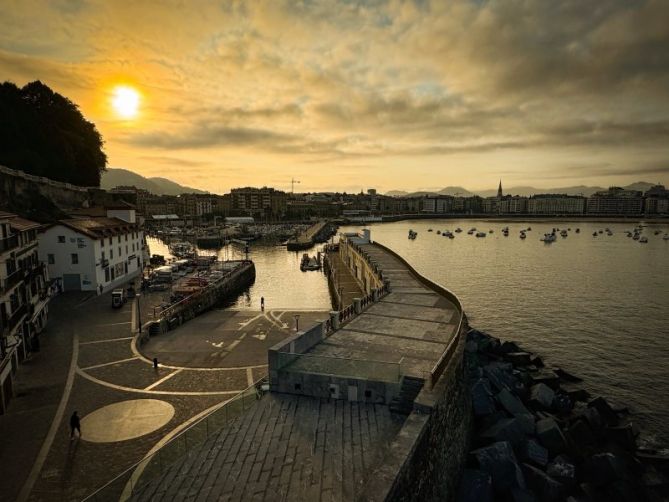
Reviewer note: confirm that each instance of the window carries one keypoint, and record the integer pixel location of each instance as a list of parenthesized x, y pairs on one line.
[(119, 239), (126, 250), (111, 254), (110, 242), (126, 237), (119, 252), (107, 274), (103, 255), (75, 258), (51, 259), (61, 239)]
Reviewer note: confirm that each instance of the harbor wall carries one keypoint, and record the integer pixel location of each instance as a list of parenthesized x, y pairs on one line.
[(363, 270), (426, 459), (239, 279)]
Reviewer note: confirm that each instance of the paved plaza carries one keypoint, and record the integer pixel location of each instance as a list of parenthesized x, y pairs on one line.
[(89, 363)]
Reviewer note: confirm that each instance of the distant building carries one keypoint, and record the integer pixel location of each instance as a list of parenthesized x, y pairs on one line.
[(657, 200), (615, 200), (513, 204), (93, 253), (24, 297), (552, 204), (439, 204), (262, 203)]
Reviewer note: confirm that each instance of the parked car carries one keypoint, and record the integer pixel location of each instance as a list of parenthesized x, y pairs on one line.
[(118, 298)]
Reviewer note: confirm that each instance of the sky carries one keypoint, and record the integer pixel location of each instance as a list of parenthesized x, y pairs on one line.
[(347, 95)]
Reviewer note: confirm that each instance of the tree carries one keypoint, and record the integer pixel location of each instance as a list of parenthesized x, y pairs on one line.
[(45, 134)]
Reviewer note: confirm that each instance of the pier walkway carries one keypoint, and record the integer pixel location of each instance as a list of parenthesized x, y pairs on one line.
[(304, 447)]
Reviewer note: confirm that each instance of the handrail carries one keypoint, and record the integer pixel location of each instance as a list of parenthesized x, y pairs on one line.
[(148, 458)]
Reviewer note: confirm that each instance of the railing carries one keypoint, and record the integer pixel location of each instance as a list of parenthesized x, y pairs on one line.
[(13, 279), (380, 371), (9, 243), (16, 317), (135, 477)]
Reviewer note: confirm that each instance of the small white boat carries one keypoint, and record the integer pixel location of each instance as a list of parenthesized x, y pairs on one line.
[(636, 237), (429, 230), (643, 239), (458, 230), (481, 234), (563, 233), (548, 238), (522, 235), (471, 232)]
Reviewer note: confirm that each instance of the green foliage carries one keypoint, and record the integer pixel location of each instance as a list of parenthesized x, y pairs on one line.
[(45, 134)]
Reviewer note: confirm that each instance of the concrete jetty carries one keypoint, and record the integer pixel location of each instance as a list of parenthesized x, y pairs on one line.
[(318, 232), (369, 404)]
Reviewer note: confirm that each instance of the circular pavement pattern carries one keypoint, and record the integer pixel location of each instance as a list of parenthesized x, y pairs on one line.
[(125, 420)]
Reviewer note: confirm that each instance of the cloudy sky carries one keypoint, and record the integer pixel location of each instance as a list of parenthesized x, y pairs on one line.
[(349, 95)]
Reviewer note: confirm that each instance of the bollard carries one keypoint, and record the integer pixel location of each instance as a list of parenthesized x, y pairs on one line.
[(334, 319), (375, 295), (357, 303)]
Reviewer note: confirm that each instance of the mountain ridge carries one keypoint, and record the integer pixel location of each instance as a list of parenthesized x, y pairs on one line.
[(114, 177)]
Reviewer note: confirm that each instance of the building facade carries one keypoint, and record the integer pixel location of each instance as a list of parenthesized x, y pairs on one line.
[(657, 200), (556, 204), (616, 201), (94, 253), (261, 203), (24, 297)]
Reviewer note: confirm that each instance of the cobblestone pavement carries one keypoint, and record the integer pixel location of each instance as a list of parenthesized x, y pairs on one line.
[(108, 369)]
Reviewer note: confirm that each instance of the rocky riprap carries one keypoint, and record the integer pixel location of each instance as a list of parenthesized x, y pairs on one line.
[(540, 436)]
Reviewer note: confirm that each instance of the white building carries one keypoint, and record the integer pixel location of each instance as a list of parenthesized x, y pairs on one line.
[(556, 204), (94, 253), (24, 297)]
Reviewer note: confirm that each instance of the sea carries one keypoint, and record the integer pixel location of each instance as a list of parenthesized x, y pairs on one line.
[(596, 306)]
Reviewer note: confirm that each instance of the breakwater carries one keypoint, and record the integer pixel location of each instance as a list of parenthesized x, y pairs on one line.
[(539, 434), (240, 276), (318, 232)]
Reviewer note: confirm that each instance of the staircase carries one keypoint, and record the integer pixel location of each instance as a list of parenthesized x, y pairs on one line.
[(403, 402)]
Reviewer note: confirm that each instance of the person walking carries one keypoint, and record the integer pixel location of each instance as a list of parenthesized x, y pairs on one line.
[(262, 303), (75, 424)]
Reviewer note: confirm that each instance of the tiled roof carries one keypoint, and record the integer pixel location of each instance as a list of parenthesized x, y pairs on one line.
[(21, 224), (97, 228)]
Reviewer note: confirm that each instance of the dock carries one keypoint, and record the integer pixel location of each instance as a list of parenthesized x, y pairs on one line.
[(318, 232)]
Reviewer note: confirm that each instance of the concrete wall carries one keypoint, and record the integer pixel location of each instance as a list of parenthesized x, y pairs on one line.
[(361, 269)]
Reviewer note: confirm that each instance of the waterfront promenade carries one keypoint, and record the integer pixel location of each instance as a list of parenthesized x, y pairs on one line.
[(303, 446)]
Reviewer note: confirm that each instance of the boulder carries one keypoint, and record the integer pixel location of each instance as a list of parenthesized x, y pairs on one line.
[(593, 418), (545, 487), (566, 376), (506, 429), (475, 486), (604, 409), (526, 421), (511, 403), (541, 395), (521, 495), (623, 435), (605, 468), (546, 377), (518, 358), (550, 436), (562, 404), (533, 452), (580, 433), (500, 375), (575, 392), (537, 361), (482, 401), (509, 347), (499, 461), (471, 347), (562, 470)]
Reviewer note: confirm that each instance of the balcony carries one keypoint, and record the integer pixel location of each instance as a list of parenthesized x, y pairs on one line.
[(12, 280), (9, 243), (14, 319), (34, 272), (104, 263)]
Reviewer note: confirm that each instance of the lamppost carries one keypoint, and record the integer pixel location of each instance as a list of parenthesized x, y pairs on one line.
[(297, 322), (139, 312)]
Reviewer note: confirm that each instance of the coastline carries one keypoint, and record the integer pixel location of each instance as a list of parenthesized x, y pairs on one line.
[(511, 218)]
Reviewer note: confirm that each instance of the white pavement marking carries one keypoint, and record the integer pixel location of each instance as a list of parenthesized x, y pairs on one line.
[(109, 364), (46, 446), (249, 376), (162, 380), (137, 473), (82, 373), (233, 344), (107, 340), (243, 324), (276, 320)]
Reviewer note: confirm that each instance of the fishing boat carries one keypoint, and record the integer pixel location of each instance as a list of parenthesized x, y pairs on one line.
[(310, 262), (643, 239), (481, 234), (412, 234), (548, 238)]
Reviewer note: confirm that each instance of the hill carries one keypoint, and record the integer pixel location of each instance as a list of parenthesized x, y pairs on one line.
[(520, 190), (160, 186)]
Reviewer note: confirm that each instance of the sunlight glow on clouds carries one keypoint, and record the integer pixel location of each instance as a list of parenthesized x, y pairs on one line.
[(343, 95)]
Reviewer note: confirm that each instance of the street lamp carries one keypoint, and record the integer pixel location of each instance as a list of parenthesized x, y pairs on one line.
[(297, 322), (139, 313)]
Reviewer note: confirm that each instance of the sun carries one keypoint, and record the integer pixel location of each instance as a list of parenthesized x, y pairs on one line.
[(125, 101)]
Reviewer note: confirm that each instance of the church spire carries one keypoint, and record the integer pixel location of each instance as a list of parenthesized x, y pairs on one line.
[(499, 190)]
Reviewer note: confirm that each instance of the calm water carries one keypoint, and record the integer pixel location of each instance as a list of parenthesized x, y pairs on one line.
[(596, 306)]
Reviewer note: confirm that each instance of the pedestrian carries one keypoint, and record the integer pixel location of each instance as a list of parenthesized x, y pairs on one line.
[(155, 363), (101, 288), (75, 424), (262, 303)]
